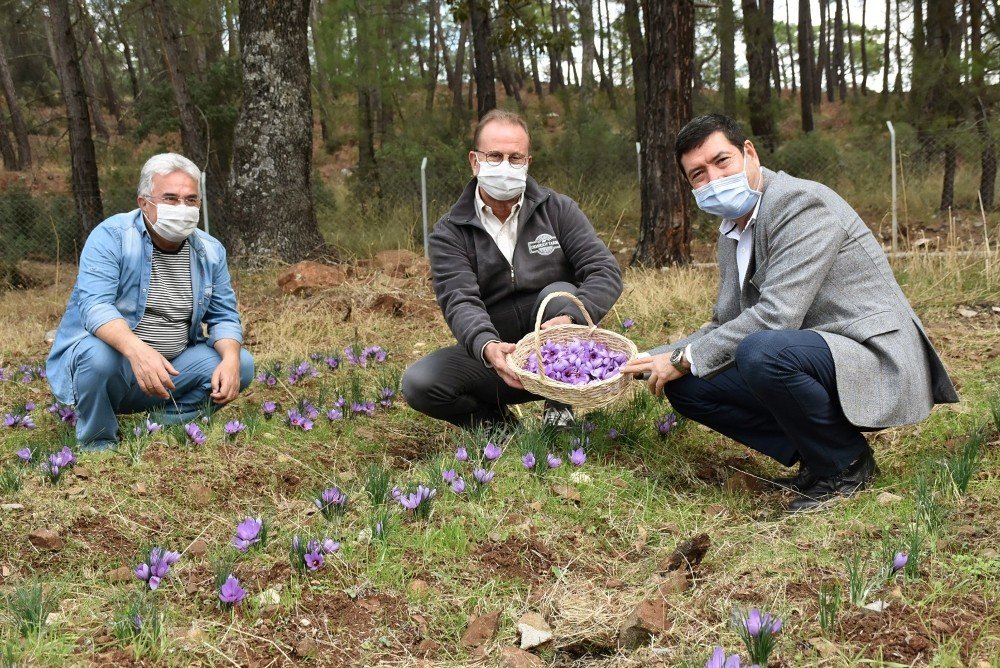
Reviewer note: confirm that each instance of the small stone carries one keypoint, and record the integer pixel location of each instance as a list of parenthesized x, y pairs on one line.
[(534, 630), (824, 647), (427, 648), (742, 482), (198, 548), (74, 491), (888, 498), (12, 506), (675, 582), (877, 606), (481, 630), (614, 583), (419, 587), (648, 619), (716, 510), (305, 647), (5, 571), (82, 472), (304, 622), (139, 488), (120, 574), (53, 618), (191, 588), (967, 312), (512, 657), (566, 492), (268, 597), (45, 539), (535, 506), (201, 495), (305, 277)]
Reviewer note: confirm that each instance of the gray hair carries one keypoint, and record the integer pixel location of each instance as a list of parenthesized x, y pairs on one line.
[(163, 164)]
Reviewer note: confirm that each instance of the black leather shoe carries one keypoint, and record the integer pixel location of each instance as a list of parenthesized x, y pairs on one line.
[(801, 480), (855, 478)]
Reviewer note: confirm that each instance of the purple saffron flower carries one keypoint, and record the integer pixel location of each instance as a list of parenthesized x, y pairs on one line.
[(553, 461), (449, 475), (462, 455), (491, 452), (331, 496), (29, 406), (27, 422), (153, 427), (666, 424), (628, 323), (577, 457), (483, 477), (899, 561), (528, 460), (234, 427), (24, 454), (231, 593), (269, 407), (719, 660), (332, 361), (10, 420), (314, 560), (613, 434), (334, 414), (195, 433), (330, 546), (396, 493), (458, 486), (756, 622), (247, 533)]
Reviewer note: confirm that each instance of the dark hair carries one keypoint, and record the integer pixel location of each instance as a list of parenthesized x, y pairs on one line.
[(499, 116), (699, 129)]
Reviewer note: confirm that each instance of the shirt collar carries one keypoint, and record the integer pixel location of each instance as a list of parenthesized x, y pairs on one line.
[(481, 206)]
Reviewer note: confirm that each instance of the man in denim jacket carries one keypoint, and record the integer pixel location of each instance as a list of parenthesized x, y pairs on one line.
[(150, 285)]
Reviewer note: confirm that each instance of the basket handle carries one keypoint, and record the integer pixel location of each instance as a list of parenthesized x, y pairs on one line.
[(541, 314)]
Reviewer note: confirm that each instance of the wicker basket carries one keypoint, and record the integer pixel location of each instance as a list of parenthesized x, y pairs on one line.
[(593, 395)]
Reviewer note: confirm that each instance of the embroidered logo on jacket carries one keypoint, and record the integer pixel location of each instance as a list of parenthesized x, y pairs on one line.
[(543, 244)]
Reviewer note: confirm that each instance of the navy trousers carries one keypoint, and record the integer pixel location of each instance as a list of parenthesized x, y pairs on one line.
[(449, 384), (779, 399)]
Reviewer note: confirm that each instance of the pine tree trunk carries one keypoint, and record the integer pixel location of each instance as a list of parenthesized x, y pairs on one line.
[(850, 51), (840, 78), (486, 95), (821, 57), (18, 126), (587, 51), (758, 32), (805, 65), (457, 101), (988, 158), (84, 180), (886, 57), (791, 47), (7, 151), (271, 194), (637, 47), (726, 33), (665, 231)]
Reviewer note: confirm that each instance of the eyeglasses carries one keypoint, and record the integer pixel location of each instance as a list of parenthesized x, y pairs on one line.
[(174, 200), (494, 158)]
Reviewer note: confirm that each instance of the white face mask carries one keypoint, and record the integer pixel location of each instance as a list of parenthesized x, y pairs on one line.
[(502, 182), (175, 222)]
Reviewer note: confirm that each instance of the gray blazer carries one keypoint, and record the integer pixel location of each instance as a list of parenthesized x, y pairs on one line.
[(817, 266)]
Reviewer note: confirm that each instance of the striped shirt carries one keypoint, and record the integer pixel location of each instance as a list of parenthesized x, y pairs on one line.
[(166, 323)]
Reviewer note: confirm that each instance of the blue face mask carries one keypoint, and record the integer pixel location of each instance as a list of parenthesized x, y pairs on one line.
[(729, 197)]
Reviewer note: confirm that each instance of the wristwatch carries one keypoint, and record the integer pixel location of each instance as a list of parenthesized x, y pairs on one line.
[(678, 361)]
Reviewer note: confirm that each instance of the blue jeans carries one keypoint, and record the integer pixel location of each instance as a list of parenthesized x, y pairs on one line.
[(780, 399), (105, 386)]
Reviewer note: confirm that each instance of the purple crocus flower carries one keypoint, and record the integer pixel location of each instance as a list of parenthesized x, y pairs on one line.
[(386, 396), (577, 457), (29, 406), (528, 460), (314, 560), (396, 493), (666, 424), (154, 569), (332, 361), (613, 434), (899, 561), (491, 452), (330, 546), (756, 622), (24, 454), (231, 593), (247, 533), (483, 477), (449, 475), (10, 420), (334, 414), (234, 427), (27, 422), (553, 461), (195, 433), (719, 660), (628, 323), (462, 455), (153, 427), (269, 407), (458, 486)]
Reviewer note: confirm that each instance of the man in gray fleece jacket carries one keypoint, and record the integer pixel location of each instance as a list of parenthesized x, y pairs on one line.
[(501, 249)]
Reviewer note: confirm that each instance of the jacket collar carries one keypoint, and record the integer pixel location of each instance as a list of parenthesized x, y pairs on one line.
[(464, 210)]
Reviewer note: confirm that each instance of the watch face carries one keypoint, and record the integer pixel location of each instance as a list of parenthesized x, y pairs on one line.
[(676, 356)]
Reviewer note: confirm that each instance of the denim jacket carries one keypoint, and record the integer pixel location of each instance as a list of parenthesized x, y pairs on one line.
[(113, 283)]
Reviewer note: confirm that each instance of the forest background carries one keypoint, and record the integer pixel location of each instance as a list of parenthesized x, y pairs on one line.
[(316, 116)]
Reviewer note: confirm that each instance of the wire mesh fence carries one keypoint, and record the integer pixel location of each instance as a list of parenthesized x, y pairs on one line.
[(359, 216)]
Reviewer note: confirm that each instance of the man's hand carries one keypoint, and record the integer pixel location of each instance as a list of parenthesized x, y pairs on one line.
[(226, 380), (496, 355), (659, 368), (151, 369), (558, 320)]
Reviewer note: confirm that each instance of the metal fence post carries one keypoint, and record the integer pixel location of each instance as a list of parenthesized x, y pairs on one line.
[(204, 201), (892, 156), (423, 200), (638, 159)]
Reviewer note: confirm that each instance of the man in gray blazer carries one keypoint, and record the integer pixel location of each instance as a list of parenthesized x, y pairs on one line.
[(812, 341)]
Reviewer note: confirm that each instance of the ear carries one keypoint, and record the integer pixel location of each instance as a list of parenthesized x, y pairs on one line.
[(473, 163)]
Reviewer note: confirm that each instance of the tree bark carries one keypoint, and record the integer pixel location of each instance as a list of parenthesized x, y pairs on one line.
[(18, 126), (840, 79), (850, 50), (665, 231), (486, 95), (272, 153), (457, 102), (112, 19), (726, 34), (886, 57), (758, 32), (637, 47), (84, 179), (433, 56), (897, 85), (587, 51), (805, 65), (7, 150), (822, 57), (988, 158), (791, 46), (111, 99)]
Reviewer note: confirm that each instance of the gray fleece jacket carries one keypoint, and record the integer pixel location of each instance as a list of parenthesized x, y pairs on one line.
[(484, 297)]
